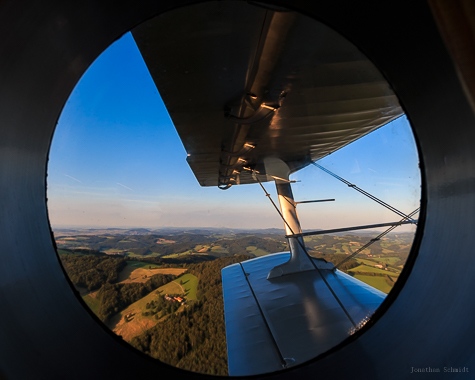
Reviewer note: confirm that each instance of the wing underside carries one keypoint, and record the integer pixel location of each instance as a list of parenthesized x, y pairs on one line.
[(242, 83)]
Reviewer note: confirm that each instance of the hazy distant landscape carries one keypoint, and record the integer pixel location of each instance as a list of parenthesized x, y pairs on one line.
[(160, 290)]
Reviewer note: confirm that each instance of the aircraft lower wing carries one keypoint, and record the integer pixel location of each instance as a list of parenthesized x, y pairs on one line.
[(277, 323)]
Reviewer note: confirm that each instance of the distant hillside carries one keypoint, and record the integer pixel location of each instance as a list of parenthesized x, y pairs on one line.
[(63, 231), (216, 243)]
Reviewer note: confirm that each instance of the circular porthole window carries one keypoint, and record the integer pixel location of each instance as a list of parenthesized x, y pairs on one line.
[(281, 113)]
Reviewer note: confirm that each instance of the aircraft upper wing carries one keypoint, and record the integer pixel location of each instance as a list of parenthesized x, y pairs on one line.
[(242, 83)]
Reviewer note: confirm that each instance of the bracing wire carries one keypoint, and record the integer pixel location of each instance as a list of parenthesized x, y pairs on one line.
[(377, 238), (405, 219), (302, 245), (388, 206)]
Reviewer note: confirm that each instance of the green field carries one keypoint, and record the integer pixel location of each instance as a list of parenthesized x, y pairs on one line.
[(382, 279), (93, 303), (371, 269), (202, 247), (390, 260), (256, 251), (140, 304), (175, 255), (347, 248), (172, 287), (367, 261), (137, 308), (131, 254), (218, 249), (190, 285), (186, 285), (260, 252), (112, 251), (377, 282)]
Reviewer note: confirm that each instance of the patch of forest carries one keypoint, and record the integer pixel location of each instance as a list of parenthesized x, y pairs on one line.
[(195, 338), (91, 269)]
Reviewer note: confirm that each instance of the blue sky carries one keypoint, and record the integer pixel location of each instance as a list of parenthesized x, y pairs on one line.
[(117, 161)]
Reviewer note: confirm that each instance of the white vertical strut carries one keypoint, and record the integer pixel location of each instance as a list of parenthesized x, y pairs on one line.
[(299, 259)]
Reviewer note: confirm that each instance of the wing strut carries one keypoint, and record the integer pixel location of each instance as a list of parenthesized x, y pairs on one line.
[(299, 261)]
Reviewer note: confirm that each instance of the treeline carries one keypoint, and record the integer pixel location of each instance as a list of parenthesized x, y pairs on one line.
[(91, 269), (194, 339), (116, 297), (144, 244), (180, 261)]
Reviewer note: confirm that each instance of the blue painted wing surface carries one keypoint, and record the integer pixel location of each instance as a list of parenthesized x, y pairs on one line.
[(285, 321)]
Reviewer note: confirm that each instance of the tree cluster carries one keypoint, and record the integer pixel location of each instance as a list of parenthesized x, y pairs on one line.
[(93, 269), (161, 307), (194, 339)]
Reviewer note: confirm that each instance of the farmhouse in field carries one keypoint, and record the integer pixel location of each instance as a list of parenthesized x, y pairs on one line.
[(174, 298)]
